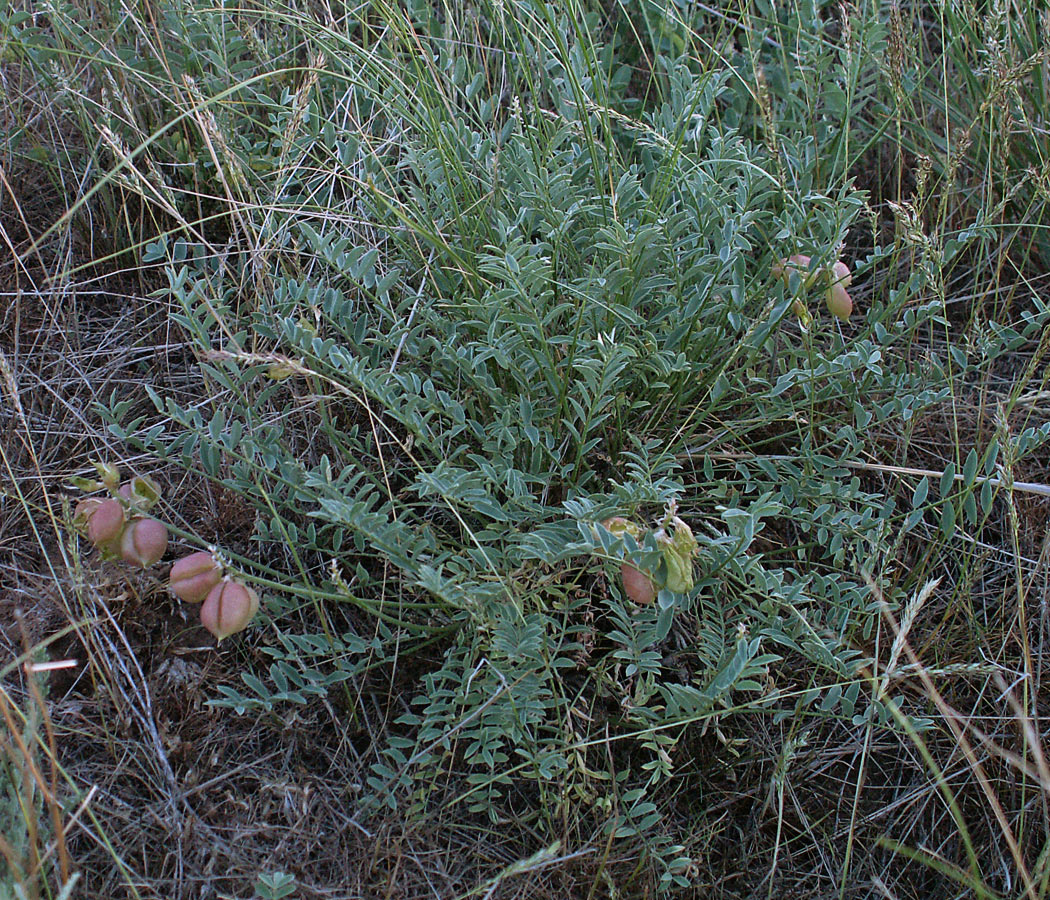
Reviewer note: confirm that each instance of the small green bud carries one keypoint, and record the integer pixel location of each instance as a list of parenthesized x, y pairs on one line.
[(108, 474), (678, 547)]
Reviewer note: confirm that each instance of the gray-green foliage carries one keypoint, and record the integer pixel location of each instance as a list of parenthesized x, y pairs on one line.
[(511, 297)]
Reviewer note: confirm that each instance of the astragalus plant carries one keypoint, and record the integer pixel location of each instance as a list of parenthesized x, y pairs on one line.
[(482, 276)]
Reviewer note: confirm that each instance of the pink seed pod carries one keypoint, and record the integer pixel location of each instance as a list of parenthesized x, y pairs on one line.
[(144, 542), (637, 585), (799, 263), (839, 302), (840, 274), (85, 509), (193, 576), (228, 608), (106, 524)]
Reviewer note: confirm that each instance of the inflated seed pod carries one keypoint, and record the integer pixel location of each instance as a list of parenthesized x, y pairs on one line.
[(799, 263), (85, 509), (840, 274), (228, 608), (106, 524), (620, 526), (143, 542), (637, 585), (840, 304), (141, 492), (193, 576)]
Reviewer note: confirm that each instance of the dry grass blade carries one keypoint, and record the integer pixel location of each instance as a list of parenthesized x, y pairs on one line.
[(958, 725), (28, 862)]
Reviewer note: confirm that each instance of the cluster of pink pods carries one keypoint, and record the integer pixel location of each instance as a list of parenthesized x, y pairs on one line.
[(227, 604), (835, 279), (118, 527)]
